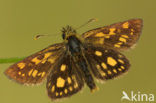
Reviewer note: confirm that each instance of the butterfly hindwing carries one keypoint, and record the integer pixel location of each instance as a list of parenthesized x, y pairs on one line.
[(35, 68), (65, 80), (106, 63), (119, 36)]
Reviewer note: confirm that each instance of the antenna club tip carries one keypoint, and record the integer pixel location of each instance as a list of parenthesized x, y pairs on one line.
[(94, 19), (35, 38), (39, 36)]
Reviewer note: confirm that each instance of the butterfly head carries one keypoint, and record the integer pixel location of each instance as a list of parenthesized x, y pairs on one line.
[(67, 31)]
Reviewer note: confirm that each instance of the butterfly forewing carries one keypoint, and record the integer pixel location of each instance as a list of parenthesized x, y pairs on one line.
[(119, 36), (65, 80), (106, 63), (35, 68)]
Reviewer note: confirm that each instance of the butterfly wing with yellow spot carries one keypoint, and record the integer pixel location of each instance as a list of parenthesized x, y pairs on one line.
[(65, 80), (34, 69), (119, 36), (106, 63)]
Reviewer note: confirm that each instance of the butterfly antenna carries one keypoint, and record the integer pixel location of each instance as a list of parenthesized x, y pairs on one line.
[(41, 35), (89, 21)]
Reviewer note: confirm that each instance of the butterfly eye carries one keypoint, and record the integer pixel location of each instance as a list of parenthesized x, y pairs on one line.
[(63, 35)]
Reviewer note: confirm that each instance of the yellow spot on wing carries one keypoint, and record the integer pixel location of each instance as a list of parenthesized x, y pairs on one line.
[(99, 34), (103, 74), (19, 73), (114, 70), (100, 71), (36, 61), (100, 41), (34, 73), (104, 65), (122, 39), (118, 31), (43, 73), (53, 88), (56, 93), (109, 72), (65, 91), (98, 53), (117, 45), (51, 60), (30, 72), (98, 66), (21, 65), (125, 36), (10, 70), (74, 78), (39, 74), (132, 31), (63, 67), (23, 75), (122, 67), (61, 93), (75, 85), (69, 80), (111, 32), (49, 84), (119, 69), (120, 56), (43, 61), (47, 55), (125, 25), (111, 61), (107, 36), (70, 88), (121, 61), (60, 82)]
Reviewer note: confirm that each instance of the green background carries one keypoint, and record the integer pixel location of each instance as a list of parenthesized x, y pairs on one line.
[(21, 20)]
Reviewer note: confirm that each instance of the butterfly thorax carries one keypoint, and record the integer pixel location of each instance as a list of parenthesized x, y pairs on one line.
[(74, 45), (72, 41)]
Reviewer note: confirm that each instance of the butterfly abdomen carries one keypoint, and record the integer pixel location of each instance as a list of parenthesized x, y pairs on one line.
[(87, 75)]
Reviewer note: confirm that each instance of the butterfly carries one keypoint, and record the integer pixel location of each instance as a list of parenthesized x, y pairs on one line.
[(79, 59)]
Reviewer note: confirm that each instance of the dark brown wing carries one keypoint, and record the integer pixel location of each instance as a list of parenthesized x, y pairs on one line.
[(106, 63), (65, 80), (120, 36), (34, 69)]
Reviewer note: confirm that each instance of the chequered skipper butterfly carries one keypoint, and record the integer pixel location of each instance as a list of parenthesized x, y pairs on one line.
[(79, 59)]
